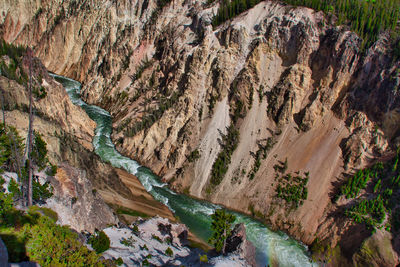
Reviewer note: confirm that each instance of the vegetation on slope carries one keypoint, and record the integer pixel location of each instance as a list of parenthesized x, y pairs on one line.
[(229, 143), (221, 226), (33, 235), (11, 159), (378, 206), (359, 181), (291, 187), (36, 237), (261, 153), (100, 242), (365, 17), (11, 62)]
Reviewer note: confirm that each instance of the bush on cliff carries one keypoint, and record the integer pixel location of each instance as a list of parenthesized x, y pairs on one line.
[(32, 236), (100, 242)]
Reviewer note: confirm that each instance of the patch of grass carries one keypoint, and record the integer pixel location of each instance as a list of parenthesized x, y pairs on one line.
[(255, 213), (44, 211)]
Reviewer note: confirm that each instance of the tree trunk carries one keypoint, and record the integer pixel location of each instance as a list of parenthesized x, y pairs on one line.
[(2, 107), (30, 130)]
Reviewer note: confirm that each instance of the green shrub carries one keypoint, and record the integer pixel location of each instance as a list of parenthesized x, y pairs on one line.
[(6, 203), (13, 188), (51, 170), (100, 242), (127, 241), (53, 245), (39, 93), (44, 211), (135, 230), (169, 252), (41, 192), (119, 261), (194, 155), (144, 247), (292, 188), (39, 151), (203, 258), (379, 204), (156, 238), (359, 181), (371, 212)]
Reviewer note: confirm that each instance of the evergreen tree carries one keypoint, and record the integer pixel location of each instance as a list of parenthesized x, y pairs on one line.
[(222, 229)]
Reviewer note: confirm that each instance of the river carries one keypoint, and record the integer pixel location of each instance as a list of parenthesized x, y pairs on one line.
[(271, 247)]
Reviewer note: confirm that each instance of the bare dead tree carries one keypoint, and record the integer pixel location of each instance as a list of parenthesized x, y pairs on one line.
[(2, 105), (29, 54)]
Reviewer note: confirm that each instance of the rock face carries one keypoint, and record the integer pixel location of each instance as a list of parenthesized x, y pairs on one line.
[(239, 244), (297, 88), (153, 237), (3, 254), (376, 251), (77, 203)]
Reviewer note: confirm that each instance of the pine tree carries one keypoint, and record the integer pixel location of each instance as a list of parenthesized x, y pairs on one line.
[(222, 229)]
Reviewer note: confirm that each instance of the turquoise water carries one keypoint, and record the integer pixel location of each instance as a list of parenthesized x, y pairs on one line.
[(270, 246)]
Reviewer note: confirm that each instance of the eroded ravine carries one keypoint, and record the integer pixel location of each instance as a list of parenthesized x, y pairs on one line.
[(271, 247)]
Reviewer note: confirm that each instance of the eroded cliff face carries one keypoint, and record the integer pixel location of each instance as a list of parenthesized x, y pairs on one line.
[(297, 88)]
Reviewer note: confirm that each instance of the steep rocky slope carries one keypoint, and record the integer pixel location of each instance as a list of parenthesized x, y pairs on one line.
[(83, 183), (302, 96)]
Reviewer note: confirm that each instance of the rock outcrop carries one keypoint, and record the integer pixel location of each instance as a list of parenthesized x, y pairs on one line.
[(77, 203), (165, 242), (298, 89), (238, 244), (3, 254)]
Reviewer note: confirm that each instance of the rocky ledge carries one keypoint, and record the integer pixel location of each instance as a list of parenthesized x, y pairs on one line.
[(159, 242)]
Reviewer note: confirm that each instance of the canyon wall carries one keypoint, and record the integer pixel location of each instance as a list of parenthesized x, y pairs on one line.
[(83, 184), (294, 92)]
